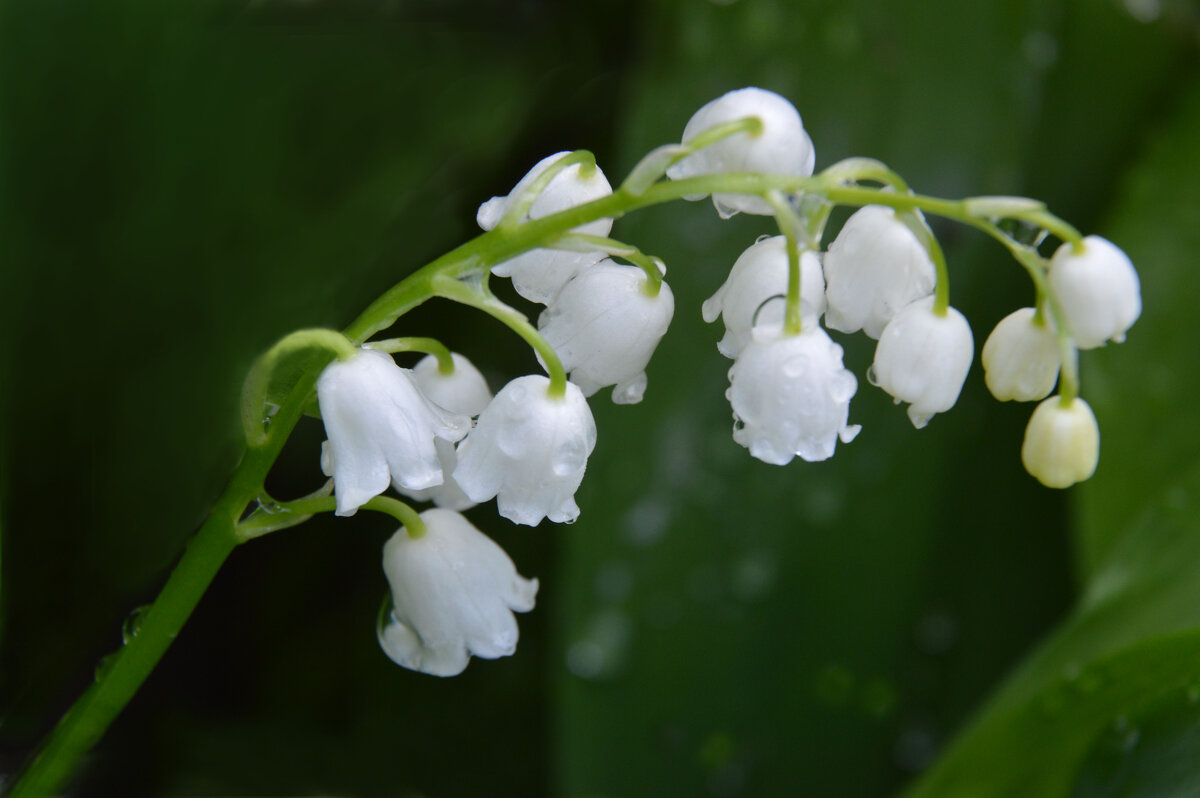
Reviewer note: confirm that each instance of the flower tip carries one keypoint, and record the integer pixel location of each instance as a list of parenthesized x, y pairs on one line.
[(1062, 443)]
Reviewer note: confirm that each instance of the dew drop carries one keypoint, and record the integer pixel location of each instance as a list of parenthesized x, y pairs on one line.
[(104, 666), (270, 506), (872, 376), (133, 624)]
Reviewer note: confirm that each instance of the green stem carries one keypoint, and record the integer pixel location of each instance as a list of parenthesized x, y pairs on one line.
[(254, 389), (284, 515), (511, 317), (458, 275), (789, 225), (659, 160), (519, 206), (79, 729), (430, 346), (617, 249)]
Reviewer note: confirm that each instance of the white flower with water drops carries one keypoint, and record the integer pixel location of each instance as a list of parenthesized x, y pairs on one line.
[(923, 358), (874, 268), (761, 274), (782, 148), (381, 429), (604, 327), (453, 594), (539, 274), (529, 450), (791, 396), (463, 391)]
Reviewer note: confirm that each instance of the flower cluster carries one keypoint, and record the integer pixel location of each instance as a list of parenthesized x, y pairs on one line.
[(1092, 296), (436, 434), (789, 390), (452, 588)]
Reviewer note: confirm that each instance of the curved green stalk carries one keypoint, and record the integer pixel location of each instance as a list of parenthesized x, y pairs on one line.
[(83, 725), (430, 346), (88, 718), (520, 205), (617, 249), (459, 291), (254, 389)]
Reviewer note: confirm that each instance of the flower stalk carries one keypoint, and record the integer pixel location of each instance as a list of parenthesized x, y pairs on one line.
[(460, 275)]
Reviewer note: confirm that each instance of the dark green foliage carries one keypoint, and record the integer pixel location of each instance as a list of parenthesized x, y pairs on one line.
[(183, 183)]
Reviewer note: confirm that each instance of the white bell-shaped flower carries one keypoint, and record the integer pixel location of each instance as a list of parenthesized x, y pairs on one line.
[(791, 396), (875, 267), (761, 274), (453, 594), (923, 359), (539, 274), (381, 429), (1098, 289), (782, 148), (463, 391), (604, 328), (1020, 358), (529, 450), (1062, 442)]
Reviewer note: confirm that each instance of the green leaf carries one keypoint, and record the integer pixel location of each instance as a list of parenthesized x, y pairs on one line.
[(1149, 754), (1132, 637)]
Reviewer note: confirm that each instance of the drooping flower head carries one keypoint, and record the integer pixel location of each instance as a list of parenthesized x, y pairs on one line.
[(529, 450), (1020, 358), (875, 267), (923, 358), (761, 274), (1062, 443), (465, 392), (539, 274), (381, 429), (1099, 291), (453, 594), (791, 396), (604, 328), (782, 148)]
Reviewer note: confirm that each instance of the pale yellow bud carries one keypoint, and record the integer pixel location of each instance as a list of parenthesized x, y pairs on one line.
[(1062, 443)]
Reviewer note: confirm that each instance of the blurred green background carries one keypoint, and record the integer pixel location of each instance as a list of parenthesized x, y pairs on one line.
[(183, 183)]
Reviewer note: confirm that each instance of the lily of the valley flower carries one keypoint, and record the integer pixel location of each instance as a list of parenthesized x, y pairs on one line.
[(782, 148), (1020, 358), (923, 358), (539, 274), (791, 396), (1062, 443), (381, 429), (758, 275), (529, 450), (454, 592), (463, 391), (873, 269), (1098, 289), (604, 328)]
